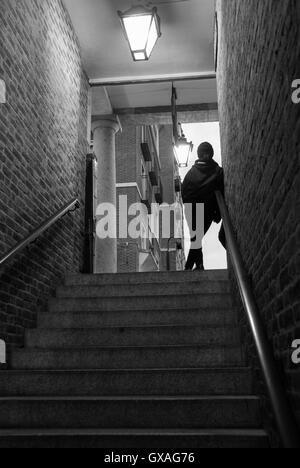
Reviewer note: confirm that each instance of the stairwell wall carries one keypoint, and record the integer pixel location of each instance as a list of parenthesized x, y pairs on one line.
[(258, 59), (43, 143)]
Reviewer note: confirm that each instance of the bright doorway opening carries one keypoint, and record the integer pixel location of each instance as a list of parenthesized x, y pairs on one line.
[(215, 256)]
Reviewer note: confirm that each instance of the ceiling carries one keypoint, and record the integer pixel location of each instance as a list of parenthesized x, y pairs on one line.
[(186, 47), (159, 94)]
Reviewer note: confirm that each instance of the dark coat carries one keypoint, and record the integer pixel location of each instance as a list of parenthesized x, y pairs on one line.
[(200, 184)]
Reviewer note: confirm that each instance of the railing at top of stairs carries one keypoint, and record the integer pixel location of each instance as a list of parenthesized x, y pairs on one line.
[(286, 423), (71, 206)]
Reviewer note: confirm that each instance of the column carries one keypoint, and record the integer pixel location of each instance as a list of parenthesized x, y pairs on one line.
[(105, 129)]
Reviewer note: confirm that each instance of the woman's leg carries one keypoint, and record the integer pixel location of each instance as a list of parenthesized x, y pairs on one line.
[(195, 257)]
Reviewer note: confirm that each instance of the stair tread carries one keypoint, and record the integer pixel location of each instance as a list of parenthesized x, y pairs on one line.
[(154, 283), (102, 347), (138, 302), (212, 370), (143, 432), (79, 319), (198, 309), (181, 276), (131, 398), (142, 294), (119, 336), (138, 327), (156, 290), (189, 310)]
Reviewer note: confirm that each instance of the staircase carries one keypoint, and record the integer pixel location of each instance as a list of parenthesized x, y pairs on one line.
[(148, 360)]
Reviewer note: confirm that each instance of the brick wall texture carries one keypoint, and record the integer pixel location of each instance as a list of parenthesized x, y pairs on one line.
[(128, 154), (259, 50), (128, 159), (43, 128), (128, 249)]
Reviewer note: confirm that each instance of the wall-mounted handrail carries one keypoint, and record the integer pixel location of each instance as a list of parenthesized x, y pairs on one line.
[(286, 423), (71, 206)]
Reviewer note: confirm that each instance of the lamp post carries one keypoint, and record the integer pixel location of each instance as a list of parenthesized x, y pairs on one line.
[(142, 30)]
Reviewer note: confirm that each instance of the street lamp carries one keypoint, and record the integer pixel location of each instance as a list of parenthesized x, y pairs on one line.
[(142, 30), (182, 149)]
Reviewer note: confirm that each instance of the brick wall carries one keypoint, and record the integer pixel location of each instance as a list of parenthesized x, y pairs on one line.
[(126, 159), (259, 47), (128, 249), (168, 162), (126, 154), (43, 128)]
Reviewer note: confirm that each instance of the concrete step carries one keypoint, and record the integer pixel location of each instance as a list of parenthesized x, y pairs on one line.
[(127, 358), (146, 278), (228, 381), (134, 438), (193, 317), (130, 412), (139, 289), (132, 336), (141, 303)]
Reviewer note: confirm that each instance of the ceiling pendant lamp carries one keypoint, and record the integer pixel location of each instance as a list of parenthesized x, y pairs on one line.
[(142, 30)]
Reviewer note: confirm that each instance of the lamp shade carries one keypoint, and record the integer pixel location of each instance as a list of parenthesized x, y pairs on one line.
[(182, 151), (142, 30)]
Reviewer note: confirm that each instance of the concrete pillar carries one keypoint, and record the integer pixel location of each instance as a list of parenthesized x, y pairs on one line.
[(105, 129)]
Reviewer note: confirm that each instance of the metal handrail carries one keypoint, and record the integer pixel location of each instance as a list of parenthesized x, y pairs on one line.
[(286, 423), (71, 206)]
